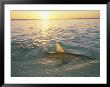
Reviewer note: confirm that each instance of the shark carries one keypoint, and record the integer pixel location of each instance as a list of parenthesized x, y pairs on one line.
[(59, 57)]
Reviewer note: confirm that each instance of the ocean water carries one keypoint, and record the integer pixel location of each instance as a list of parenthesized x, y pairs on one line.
[(33, 39)]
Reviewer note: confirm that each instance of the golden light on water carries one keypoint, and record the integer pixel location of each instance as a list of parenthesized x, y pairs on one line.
[(45, 16)]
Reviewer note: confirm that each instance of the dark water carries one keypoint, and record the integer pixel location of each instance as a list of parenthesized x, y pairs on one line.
[(31, 40)]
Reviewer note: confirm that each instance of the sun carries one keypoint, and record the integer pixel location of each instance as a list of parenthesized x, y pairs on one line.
[(45, 15)]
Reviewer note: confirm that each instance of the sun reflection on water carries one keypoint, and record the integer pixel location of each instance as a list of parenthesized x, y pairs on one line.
[(44, 30), (45, 15)]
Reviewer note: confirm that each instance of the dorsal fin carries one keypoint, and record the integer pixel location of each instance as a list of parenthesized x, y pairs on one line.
[(59, 48)]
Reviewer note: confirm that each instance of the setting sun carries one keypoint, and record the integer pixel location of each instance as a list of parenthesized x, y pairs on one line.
[(44, 14)]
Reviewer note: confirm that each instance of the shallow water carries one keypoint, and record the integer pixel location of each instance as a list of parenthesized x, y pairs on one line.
[(31, 40)]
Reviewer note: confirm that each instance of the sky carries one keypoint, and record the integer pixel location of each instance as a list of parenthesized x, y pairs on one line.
[(20, 14)]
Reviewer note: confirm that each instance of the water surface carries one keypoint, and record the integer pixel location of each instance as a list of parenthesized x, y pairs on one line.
[(33, 39)]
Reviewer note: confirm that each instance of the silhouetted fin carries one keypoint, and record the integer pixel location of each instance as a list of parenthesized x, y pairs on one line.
[(59, 48)]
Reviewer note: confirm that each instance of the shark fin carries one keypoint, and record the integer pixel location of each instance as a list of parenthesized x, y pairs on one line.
[(59, 48)]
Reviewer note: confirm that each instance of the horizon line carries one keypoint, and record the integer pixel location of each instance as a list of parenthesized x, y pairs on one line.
[(56, 19)]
